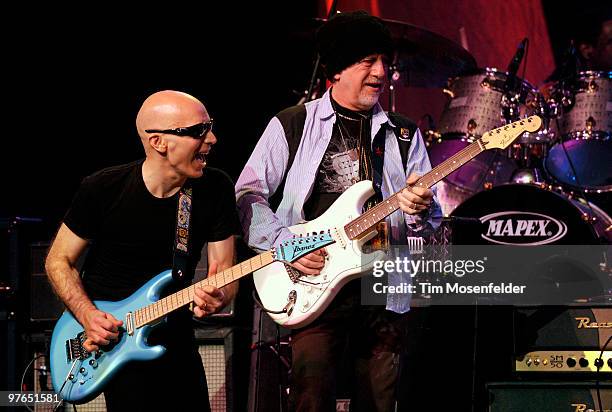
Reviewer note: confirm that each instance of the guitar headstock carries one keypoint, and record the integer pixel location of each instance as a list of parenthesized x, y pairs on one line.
[(291, 250), (503, 136)]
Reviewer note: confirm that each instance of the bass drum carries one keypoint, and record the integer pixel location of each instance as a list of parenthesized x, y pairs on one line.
[(527, 215)]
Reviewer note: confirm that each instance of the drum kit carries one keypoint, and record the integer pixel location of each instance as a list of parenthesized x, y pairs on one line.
[(558, 171), (572, 154), (565, 164)]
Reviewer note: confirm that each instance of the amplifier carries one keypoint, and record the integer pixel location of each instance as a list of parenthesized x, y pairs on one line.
[(216, 347), (561, 328), (543, 396), (563, 340), (216, 350), (44, 303), (565, 361)]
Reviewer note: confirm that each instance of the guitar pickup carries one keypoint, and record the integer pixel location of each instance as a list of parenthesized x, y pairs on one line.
[(129, 323)]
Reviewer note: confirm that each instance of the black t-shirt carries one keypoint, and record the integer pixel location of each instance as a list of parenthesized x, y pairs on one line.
[(132, 232)]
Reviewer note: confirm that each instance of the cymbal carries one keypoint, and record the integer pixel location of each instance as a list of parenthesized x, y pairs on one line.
[(426, 58)]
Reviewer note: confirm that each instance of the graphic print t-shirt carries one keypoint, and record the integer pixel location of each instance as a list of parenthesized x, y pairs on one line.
[(339, 168)]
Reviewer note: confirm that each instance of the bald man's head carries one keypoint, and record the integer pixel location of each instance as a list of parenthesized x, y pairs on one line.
[(168, 109)]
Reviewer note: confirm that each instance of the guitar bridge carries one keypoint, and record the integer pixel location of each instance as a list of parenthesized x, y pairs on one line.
[(75, 349), (293, 273)]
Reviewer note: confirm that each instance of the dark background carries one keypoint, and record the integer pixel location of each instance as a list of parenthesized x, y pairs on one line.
[(76, 85)]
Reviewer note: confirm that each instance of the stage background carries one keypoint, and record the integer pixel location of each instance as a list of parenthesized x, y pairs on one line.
[(73, 85)]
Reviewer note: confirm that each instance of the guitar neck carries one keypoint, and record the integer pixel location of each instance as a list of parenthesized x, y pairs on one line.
[(364, 223), (177, 300)]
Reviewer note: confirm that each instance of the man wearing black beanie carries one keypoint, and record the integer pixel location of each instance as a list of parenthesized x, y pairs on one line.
[(306, 158)]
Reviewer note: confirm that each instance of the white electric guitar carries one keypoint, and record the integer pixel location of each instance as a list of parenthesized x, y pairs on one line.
[(294, 299)]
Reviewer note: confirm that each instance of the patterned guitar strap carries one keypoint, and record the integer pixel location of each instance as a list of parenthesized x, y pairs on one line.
[(181, 270)]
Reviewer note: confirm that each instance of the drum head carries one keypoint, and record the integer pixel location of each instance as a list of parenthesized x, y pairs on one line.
[(591, 160), (521, 214)]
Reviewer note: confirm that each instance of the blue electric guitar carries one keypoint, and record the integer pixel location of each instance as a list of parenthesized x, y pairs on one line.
[(79, 376)]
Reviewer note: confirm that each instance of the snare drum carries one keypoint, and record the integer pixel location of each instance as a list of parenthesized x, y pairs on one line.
[(583, 158)]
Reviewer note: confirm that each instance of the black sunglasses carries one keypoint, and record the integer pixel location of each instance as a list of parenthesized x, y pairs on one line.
[(196, 131)]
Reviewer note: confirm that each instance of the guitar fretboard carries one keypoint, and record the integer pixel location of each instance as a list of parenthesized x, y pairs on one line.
[(162, 307), (364, 223), (502, 136)]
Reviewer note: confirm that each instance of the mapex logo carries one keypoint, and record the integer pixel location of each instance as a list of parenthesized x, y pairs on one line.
[(522, 228)]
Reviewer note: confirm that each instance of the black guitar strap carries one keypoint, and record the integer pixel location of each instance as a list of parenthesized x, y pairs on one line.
[(181, 270), (378, 161)]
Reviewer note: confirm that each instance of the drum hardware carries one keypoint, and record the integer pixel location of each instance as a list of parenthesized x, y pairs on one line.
[(449, 92), (524, 176), (394, 74)]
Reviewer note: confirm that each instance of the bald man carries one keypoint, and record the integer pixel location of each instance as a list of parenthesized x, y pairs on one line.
[(127, 216)]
